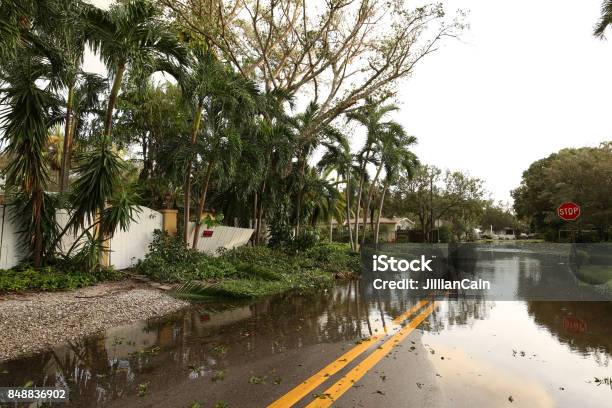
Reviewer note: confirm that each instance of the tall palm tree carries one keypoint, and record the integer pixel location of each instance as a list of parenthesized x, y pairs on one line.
[(309, 138), (228, 110), (370, 116), (396, 158), (197, 80), (130, 36), (83, 99), (275, 143), (25, 118), (338, 158), (68, 37)]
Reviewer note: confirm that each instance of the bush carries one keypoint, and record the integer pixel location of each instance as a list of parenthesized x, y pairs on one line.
[(27, 278), (307, 239), (247, 271)]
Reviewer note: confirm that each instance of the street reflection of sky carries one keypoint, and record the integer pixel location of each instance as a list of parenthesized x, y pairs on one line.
[(508, 354)]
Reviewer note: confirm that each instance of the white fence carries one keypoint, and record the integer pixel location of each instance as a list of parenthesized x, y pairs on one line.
[(10, 250), (126, 247), (220, 237)]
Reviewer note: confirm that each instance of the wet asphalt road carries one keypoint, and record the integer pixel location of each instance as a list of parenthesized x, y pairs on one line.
[(348, 347)]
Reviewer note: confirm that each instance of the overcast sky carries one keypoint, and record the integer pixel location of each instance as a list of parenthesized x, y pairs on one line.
[(527, 79)]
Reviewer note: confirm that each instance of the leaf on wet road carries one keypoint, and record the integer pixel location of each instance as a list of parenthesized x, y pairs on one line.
[(255, 379)]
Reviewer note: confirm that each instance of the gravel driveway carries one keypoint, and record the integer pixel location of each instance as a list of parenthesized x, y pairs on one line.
[(35, 322)]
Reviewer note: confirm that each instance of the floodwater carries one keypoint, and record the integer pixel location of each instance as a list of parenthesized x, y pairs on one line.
[(474, 352)]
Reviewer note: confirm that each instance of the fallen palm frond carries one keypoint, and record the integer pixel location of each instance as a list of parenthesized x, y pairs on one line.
[(198, 290)]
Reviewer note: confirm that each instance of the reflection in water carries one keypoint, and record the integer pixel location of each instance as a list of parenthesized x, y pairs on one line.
[(207, 338), (586, 327)]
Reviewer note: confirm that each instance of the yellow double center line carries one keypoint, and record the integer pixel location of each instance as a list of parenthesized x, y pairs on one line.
[(340, 387)]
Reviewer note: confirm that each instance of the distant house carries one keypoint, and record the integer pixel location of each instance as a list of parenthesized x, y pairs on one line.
[(505, 233), (388, 226), (394, 223)]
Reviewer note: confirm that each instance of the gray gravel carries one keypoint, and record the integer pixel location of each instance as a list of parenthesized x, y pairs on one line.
[(36, 322)]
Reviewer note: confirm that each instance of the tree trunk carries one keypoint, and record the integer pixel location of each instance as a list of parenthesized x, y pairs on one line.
[(196, 231), (369, 201), (299, 198), (65, 169), (112, 98), (253, 222), (260, 213), (38, 236), (348, 208), (195, 127), (359, 192), (380, 208)]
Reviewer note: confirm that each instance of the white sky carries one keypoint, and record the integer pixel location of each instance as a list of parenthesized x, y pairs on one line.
[(527, 79)]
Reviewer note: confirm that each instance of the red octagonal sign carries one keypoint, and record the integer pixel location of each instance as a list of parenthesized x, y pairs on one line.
[(568, 211)]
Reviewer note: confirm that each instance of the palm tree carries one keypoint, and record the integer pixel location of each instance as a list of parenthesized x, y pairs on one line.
[(25, 117), (309, 138), (396, 158), (605, 20), (338, 158), (20, 22), (197, 80), (228, 110), (322, 198), (275, 143), (101, 200), (130, 36), (67, 36), (370, 116), (83, 99)]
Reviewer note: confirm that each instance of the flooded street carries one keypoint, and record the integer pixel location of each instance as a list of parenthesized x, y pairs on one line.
[(465, 352)]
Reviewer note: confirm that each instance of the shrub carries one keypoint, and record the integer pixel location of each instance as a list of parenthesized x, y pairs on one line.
[(307, 239), (247, 272), (169, 259), (26, 278)]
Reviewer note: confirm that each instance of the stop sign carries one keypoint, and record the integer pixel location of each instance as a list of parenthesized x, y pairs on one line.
[(568, 211)]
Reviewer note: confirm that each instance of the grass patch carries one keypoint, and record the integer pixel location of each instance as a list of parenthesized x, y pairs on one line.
[(23, 279)]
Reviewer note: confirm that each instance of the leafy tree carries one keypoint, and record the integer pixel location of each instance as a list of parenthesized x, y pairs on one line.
[(433, 195), (340, 55), (132, 36), (497, 217), (582, 175)]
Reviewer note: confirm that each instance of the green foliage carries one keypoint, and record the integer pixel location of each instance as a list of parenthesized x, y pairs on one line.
[(578, 175), (245, 272), (61, 277), (307, 239), (99, 169), (170, 260), (280, 224)]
